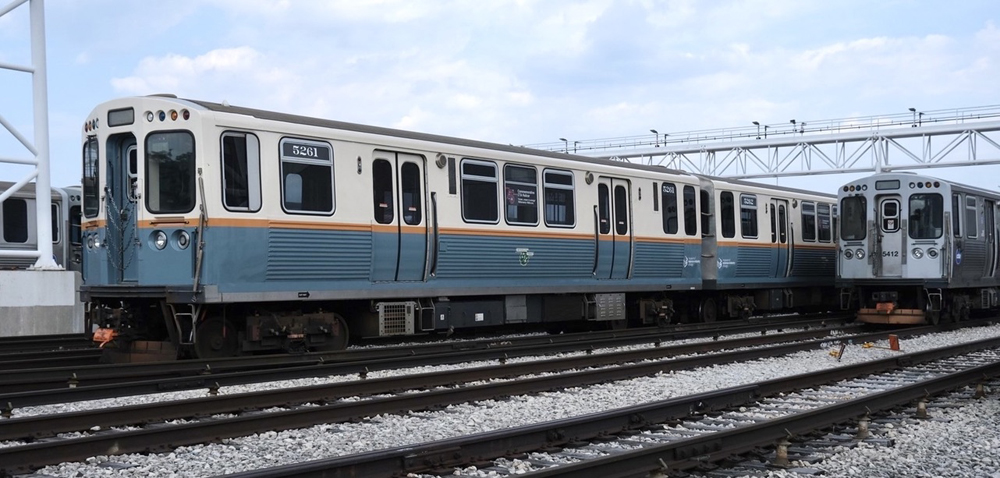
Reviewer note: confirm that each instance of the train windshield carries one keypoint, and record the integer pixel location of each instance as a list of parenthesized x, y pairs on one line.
[(926, 216), (170, 174), (91, 179), (853, 219)]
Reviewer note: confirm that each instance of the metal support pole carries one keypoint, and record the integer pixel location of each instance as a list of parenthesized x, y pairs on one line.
[(43, 188)]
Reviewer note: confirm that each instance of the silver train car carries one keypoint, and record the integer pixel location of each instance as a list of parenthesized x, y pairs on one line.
[(18, 228), (214, 230), (917, 249)]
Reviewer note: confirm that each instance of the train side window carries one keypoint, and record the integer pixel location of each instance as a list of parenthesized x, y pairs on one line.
[(748, 216), (479, 191), (621, 210), (706, 216), (774, 225), (385, 210), (559, 208), (782, 225), (410, 186), (240, 171), (520, 185), (604, 208), (668, 192), (956, 216), (56, 219), (825, 226), (808, 221), (91, 178), (74, 225), (15, 221), (690, 211), (727, 207), (971, 218), (307, 176)]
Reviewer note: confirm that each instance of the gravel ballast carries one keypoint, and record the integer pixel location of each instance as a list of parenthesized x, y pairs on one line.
[(914, 455)]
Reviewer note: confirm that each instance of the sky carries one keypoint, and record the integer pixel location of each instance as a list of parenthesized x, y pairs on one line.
[(517, 72)]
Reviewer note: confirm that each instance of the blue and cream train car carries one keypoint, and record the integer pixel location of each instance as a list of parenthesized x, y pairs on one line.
[(766, 248), (18, 228), (229, 229), (917, 249)]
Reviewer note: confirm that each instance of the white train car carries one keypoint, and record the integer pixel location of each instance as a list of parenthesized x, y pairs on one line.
[(19, 231), (917, 249)]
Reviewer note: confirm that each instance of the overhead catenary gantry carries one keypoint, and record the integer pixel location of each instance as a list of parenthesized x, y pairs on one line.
[(905, 141)]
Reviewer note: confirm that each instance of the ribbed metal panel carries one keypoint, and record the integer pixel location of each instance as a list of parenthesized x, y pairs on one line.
[(502, 258), (317, 255), (753, 262), (814, 263), (658, 260)]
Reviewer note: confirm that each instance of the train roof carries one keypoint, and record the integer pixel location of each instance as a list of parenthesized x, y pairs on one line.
[(26, 189), (378, 130), (746, 183)]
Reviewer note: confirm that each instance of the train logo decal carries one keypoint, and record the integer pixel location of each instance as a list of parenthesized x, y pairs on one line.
[(524, 254), (958, 257), (725, 263), (691, 261)]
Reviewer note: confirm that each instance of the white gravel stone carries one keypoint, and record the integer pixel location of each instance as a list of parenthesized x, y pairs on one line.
[(923, 458)]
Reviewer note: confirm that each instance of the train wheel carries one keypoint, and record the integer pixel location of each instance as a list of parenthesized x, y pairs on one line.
[(708, 311), (338, 337), (215, 338)]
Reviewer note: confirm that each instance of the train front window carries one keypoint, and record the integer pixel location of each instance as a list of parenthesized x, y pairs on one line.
[(170, 186), (853, 218), (91, 179), (926, 216)]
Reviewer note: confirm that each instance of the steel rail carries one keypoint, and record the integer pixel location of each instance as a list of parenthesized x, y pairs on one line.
[(27, 457), (442, 456)]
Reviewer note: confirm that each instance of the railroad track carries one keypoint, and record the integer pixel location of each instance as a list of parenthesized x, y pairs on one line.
[(32, 343), (188, 374), (642, 363), (683, 433)]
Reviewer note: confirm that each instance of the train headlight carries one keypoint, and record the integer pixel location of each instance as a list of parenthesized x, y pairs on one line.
[(159, 239), (918, 252), (183, 239), (849, 254), (932, 253), (860, 253)]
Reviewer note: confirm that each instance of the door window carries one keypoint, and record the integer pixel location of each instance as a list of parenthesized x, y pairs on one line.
[(890, 215)]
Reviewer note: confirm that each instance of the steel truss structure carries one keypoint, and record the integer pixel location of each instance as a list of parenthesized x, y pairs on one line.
[(39, 149), (936, 139)]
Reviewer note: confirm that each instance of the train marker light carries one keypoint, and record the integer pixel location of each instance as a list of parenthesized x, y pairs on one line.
[(183, 239), (149, 116), (159, 239), (849, 254), (162, 115), (173, 115), (185, 114), (932, 253)]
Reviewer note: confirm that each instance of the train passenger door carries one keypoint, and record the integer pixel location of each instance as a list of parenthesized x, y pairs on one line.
[(399, 229), (122, 197), (614, 229), (781, 256), (890, 239), (991, 237)]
